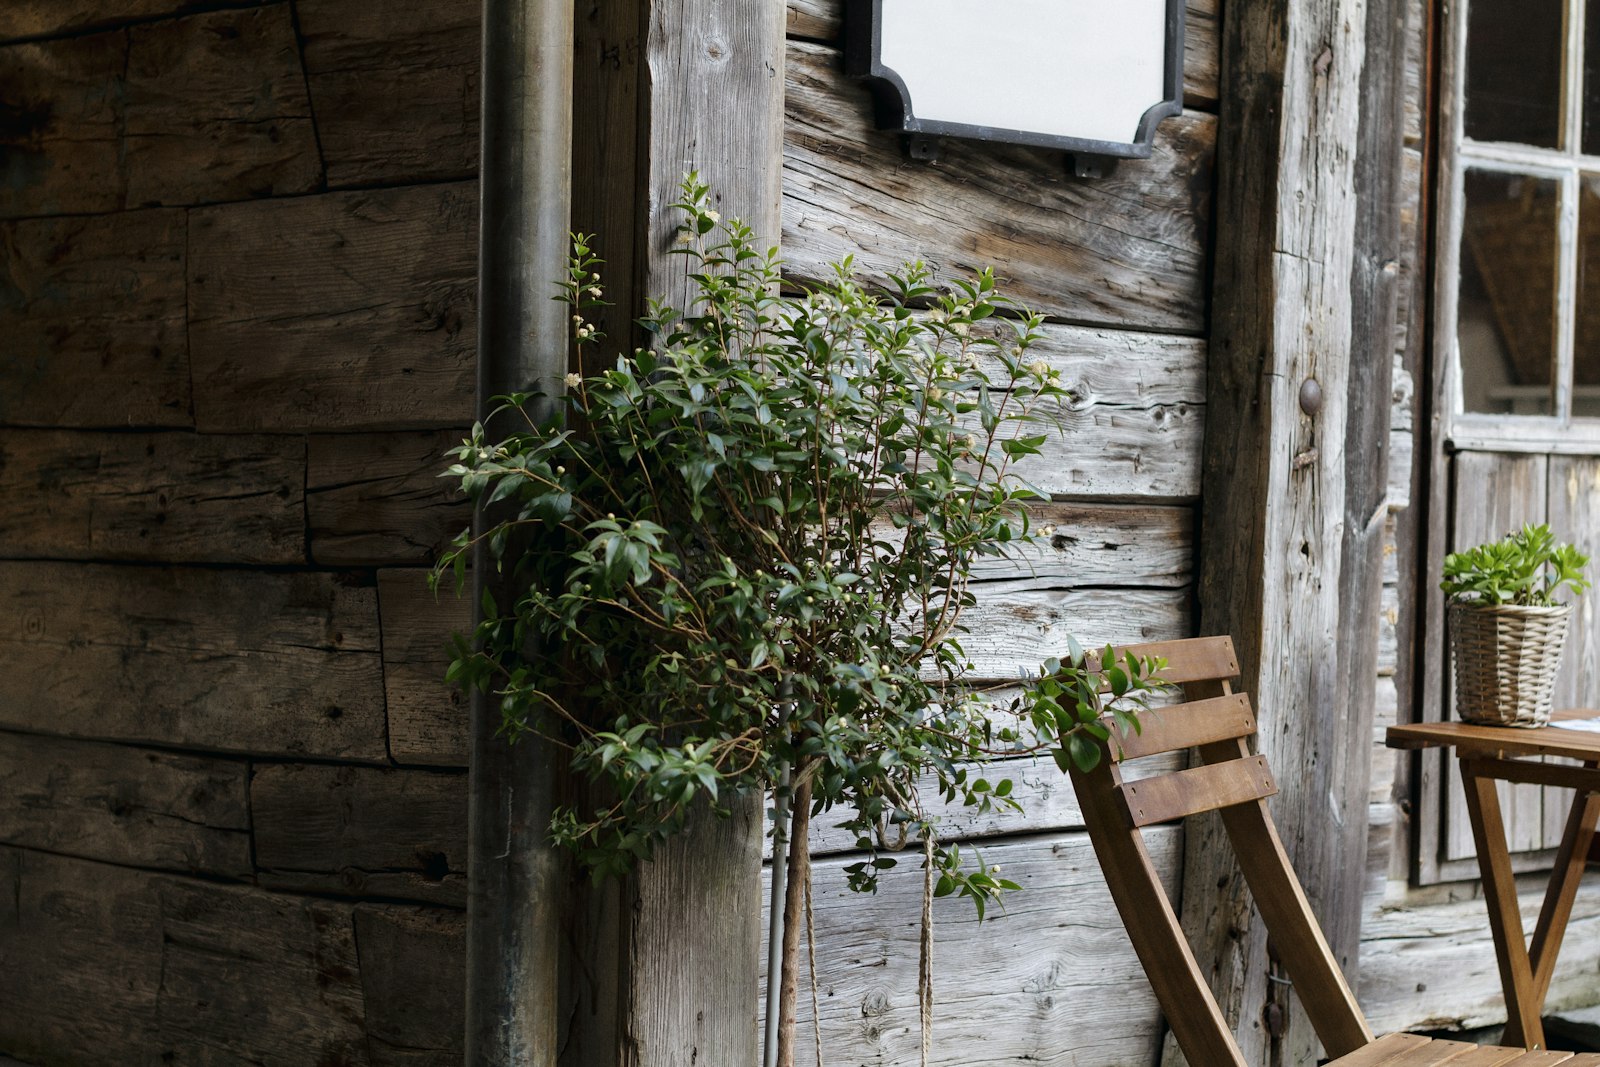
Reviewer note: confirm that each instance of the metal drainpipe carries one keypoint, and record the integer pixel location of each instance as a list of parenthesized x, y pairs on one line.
[(515, 879)]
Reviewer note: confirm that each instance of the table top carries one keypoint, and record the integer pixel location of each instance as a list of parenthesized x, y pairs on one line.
[(1503, 740)]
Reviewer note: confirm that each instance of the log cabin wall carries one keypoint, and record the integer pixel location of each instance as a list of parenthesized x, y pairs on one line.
[(237, 329), (237, 280)]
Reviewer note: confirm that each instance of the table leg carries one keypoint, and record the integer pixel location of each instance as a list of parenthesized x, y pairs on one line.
[(1571, 859), (1523, 1024)]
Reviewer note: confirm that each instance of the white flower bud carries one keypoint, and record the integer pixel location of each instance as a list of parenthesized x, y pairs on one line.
[(574, 380)]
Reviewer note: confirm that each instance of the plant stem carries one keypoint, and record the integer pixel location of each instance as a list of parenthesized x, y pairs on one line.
[(793, 915), (776, 935)]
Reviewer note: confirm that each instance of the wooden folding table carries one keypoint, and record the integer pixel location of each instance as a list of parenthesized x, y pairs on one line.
[(1490, 754)]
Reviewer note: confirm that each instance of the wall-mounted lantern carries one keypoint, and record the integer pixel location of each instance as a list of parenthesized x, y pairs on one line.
[(1089, 77)]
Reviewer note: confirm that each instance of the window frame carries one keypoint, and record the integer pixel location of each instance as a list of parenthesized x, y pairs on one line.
[(1560, 432)]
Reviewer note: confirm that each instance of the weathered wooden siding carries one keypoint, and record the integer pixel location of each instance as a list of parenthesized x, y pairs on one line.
[(238, 252), (236, 303)]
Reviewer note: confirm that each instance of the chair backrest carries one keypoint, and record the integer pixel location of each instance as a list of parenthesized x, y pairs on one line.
[(1232, 781)]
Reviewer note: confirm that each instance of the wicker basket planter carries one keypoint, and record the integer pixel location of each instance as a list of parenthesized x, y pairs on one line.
[(1506, 658)]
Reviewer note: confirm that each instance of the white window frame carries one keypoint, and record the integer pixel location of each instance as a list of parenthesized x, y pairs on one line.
[(1559, 433)]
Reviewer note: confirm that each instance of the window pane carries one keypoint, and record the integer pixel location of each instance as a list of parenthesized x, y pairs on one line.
[(1586, 345), (1513, 78), (1506, 321)]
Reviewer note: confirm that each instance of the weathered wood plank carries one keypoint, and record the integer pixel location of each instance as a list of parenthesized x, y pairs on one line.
[(1134, 244), (1494, 494), (427, 717), (180, 111), (164, 497), (365, 831), (270, 664), (378, 498), (1016, 625), (1057, 946), (106, 964), (92, 310), (822, 20), (60, 142), (47, 18), (217, 110), (1102, 544), (254, 976), (395, 88), (1048, 801), (82, 945), (133, 806), (1284, 569), (1427, 961), (413, 977), (337, 312)]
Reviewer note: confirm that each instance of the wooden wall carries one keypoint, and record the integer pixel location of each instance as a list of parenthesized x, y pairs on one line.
[(237, 332), (237, 276)]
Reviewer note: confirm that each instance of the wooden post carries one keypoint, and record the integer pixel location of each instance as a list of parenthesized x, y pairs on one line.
[(1293, 473), (664, 87)]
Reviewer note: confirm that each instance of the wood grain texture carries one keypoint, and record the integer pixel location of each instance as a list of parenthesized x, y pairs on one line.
[(365, 831), (1133, 244), (225, 661), (427, 717), (247, 975), (1015, 626), (822, 20), (1427, 961), (413, 978), (1056, 965), (82, 943), (60, 139), (1102, 544), (339, 312), (140, 807), (164, 497), (690, 984), (217, 110), (395, 88), (1272, 568), (1494, 494), (92, 310), (180, 111), (110, 965), (378, 498), (47, 18)]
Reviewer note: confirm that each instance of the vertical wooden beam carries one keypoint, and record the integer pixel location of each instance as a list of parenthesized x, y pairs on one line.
[(1293, 469), (665, 87)]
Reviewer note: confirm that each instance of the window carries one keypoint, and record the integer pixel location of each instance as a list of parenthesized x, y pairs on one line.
[(1521, 225)]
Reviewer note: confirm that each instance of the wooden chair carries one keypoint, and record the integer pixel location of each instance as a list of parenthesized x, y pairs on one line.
[(1230, 780)]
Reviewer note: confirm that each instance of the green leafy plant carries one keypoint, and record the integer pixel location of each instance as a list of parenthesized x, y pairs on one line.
[(746, 549), (1526, 567)]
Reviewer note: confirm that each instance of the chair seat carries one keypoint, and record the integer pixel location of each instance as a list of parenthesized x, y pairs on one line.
[(1414, 1050)]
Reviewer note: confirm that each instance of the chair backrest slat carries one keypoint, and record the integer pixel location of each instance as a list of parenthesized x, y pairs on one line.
[(1208, 787), (1231, 780), (1198, 659), (1199, 722)]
